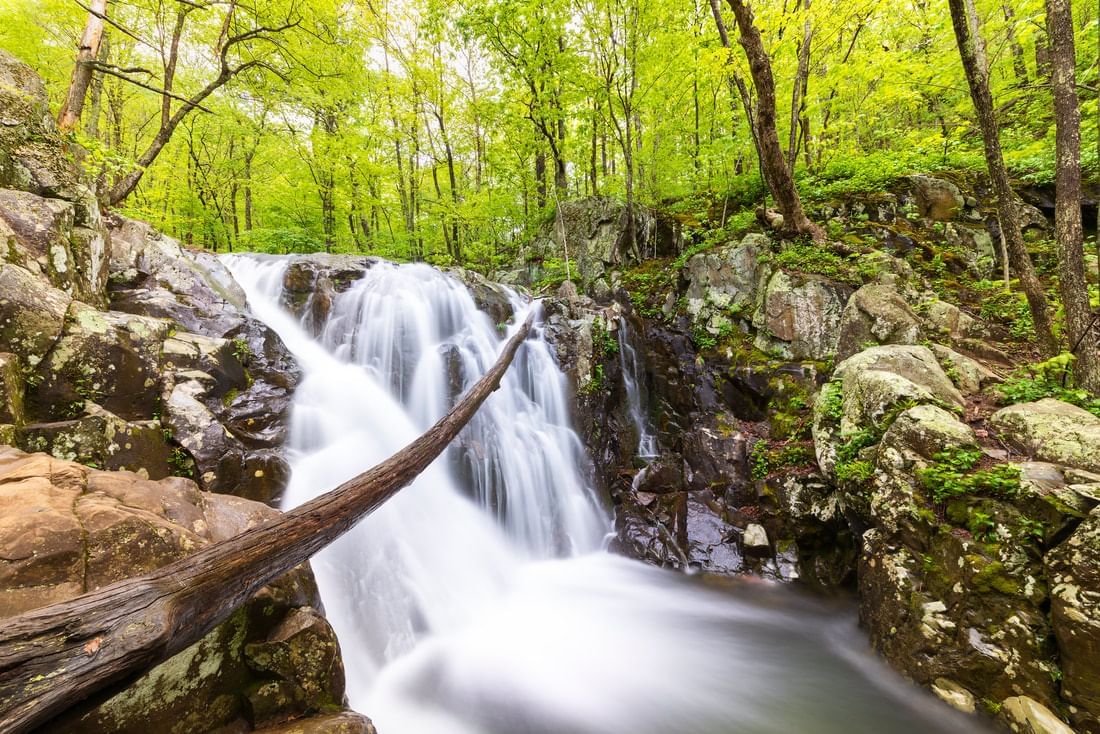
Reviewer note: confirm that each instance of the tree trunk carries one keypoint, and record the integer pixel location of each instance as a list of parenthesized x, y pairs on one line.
[(52, 658), (964, 18), (1067, 214), (776, 172), (1019, 64), (71, 108), (801, 82), (95, 93)]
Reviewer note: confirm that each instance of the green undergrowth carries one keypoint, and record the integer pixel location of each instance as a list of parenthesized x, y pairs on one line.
[(1049, 379)]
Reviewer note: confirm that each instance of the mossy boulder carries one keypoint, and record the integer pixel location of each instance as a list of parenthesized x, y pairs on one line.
[(1074, 569), (969, 375), (32, 315), (43, 236), (723, 283), (33, 157), (876, 314), (102, 439), (1051, 430), (594, 236), (798, 316)]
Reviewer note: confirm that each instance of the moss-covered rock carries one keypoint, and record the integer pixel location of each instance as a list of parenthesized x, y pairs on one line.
[(32, 315), (876, 314), (1051, 430), (1074, 568), (33, 156), (798, 317)]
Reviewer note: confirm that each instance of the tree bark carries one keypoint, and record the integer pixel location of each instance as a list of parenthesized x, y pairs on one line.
[(69, 116), (777, 174), (800, 87), (52, 658), (1068, 229), (964, 18), (1019, 63)]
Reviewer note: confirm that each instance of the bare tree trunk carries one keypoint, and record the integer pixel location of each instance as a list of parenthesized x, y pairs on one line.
[(1080, 326), (95, 93), (737, 86), (71, 108), (1019, 64), (799, 88), (54, 657), (777, 173), (964, 18), (248, 156)]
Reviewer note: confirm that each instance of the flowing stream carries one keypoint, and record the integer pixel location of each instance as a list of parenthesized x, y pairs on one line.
[(479, 599)]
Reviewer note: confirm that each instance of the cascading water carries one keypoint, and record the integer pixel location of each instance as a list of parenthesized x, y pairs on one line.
[(634, 384), (478, 600)]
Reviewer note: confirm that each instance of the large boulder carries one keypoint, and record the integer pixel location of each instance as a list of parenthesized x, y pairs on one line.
[(43, 236), (1051, 430), (32, 315), (1074, 569), (723, 283), (68, 529), (936, 199), (798, 317), (876, 314), (226, 379), (869, 389)]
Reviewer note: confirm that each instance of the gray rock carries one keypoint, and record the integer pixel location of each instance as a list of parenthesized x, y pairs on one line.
[(876, 314), (798, 317), (1051, 430), (938, 200)]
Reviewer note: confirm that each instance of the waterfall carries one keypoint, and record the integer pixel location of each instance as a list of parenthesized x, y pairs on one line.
[(479, 601), (636, 395)]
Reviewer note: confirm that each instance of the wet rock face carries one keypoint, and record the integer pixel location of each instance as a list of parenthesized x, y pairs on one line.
[(312, 283), (70, 529), (225, 379)]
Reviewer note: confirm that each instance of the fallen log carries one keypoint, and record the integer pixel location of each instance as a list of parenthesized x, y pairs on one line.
[(54, 657)]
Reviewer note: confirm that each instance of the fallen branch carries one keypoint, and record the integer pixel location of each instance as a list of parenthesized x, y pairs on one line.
[(54, 657)]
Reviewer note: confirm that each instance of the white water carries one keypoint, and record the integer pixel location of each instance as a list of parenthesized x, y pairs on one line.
[(478, 601), (634, 385)]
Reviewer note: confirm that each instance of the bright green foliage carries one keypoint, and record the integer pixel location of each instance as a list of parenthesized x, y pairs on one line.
[(445, 131), (953, 474), (1049, 379)]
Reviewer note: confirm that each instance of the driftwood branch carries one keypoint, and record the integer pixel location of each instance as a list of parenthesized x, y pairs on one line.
[(54, 657)]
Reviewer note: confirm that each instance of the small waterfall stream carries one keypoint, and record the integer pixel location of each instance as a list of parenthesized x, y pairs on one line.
[(479, 600), (636, 396)]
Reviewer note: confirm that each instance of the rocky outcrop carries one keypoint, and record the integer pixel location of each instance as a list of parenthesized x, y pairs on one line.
[(593, 235), (68, 529), (1050, 430), (798, 317), (162, 373), (962, 554)]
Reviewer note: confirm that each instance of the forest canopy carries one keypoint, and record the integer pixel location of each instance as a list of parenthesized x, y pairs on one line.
[(447, 131)]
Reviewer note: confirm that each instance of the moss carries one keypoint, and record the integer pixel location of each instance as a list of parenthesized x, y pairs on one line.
[(991, 576)]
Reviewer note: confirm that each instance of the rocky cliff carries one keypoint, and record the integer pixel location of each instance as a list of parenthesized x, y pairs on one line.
[(831, 415), (122, 351)]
